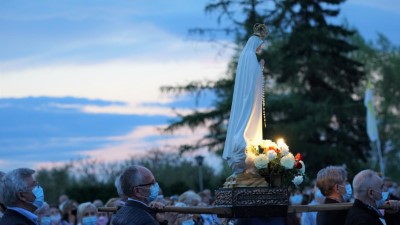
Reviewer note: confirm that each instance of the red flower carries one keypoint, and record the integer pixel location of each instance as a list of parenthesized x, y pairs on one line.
[(298, 157), (298, 165)]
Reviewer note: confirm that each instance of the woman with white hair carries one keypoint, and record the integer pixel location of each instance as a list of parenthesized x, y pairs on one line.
[(87, 214), (332, 181)]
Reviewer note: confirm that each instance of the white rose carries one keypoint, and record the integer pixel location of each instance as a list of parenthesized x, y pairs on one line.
[(288, 161), (297, 180), (284, 149), (261, 161), (265, 144), (271, 154)]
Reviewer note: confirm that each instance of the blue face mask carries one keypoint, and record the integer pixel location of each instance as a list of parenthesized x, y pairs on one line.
[(296, 199), (56, 218), (154, 189), (349, 192), (89, 220), (318, 194), (45, 220), (381, 201), (39, 196)]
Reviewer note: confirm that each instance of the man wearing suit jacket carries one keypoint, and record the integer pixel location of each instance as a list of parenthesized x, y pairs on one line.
[(22, 196), (370, 194), (138, 183)]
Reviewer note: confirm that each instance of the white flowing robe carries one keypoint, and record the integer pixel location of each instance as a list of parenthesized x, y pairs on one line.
[(245, 122)]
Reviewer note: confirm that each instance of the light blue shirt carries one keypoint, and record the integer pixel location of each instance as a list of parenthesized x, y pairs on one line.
[(26, 213)]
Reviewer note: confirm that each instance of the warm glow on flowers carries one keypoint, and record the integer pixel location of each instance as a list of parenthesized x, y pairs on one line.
[(288, 161), (275, 158)]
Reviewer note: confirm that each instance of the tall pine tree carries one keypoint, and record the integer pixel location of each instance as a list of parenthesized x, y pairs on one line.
[(313, 101), (318, 107)]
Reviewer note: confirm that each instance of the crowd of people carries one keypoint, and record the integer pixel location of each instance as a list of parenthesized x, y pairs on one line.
[(22, 202)]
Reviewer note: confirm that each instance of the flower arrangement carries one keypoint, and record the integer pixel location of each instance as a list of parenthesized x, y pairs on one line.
[(272, 158)]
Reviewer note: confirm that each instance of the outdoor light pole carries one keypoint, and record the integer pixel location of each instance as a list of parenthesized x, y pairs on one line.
[(199, 160)]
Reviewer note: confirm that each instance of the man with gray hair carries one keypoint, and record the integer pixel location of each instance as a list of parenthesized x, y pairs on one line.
[(22, 196), (139, 185), (369, 195)]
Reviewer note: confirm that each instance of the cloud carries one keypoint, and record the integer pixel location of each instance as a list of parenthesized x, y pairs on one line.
[(128, 81), (48, 131), (385, 5)]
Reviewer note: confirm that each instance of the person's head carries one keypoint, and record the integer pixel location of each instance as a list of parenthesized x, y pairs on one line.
[(190, 198), (114, 202), (369, 188), (98, 203), (138, 182), (20, 189), (389, 185), (102, 218), (69, 211), (63, 198), (332, 182), (55, 215), (87, 213), (205, 198)]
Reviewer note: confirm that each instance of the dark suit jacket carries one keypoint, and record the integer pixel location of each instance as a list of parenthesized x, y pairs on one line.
[(361, 213), (337, 217), (12, 217), (135, 213)]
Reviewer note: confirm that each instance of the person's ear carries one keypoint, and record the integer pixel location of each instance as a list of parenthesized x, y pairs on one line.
[(21, 195), (136, 190), (370, 193)]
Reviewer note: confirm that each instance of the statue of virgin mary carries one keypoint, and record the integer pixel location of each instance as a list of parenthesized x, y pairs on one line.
[(245, 121)]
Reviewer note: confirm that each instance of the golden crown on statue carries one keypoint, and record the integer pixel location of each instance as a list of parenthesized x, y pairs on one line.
[(260, 30)]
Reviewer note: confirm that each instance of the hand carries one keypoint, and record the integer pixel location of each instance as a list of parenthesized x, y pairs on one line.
[(158, 205), (394, 206)]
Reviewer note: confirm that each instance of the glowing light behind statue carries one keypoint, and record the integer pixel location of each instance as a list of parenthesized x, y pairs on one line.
[(245, 122)]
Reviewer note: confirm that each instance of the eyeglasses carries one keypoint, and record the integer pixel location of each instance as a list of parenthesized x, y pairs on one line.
[(149, 184), (380, 192)]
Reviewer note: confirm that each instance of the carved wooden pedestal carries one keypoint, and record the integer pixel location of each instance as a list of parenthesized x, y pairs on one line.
[(254, 201)]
